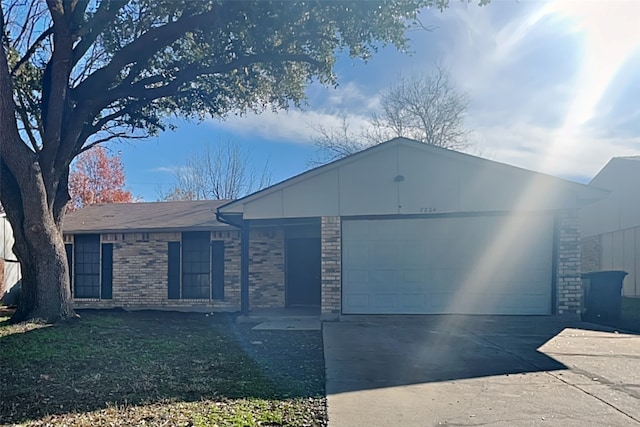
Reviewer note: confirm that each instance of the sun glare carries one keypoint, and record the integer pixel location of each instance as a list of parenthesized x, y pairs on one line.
[(609, 35), (609, 32)]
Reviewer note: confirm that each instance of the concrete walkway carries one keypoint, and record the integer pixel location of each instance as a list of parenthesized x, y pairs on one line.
[(470, 371)]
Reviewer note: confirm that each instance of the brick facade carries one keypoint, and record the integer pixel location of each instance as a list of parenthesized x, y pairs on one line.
[(266, 268), (140, 263), (331, 266), (140, 267), (569, 284)]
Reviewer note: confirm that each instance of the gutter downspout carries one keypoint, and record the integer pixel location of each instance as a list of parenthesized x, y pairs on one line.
[(244, 259)]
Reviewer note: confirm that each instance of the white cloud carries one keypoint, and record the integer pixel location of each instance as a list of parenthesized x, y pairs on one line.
[(329, 106), (164, 169), (295, 126), (535, 73), (351, 97), (536, 148)]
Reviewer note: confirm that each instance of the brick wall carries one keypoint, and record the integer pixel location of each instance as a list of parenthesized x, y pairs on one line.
[(331, 266), (140, 266), (591, 255), (266, 268), (569, 284)]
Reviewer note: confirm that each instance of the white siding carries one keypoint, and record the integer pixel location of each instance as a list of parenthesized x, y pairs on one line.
[(619, 211), (410, 178), (620, 251)]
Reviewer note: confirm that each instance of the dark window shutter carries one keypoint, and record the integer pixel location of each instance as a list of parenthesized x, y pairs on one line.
[(217, 267), (106, 291), (69, 249), (174, 270)]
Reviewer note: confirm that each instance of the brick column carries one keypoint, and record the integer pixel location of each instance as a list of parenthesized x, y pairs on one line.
[(331, 267), (568, 271)]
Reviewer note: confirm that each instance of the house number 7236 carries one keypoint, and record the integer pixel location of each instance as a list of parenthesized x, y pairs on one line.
[(427, 210)]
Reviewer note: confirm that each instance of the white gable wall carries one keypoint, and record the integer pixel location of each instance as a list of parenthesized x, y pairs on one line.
[(621, 210), (408, 178)]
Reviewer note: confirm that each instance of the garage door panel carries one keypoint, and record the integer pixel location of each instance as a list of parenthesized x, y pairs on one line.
[(413, 302), (358, 303), (359, 230), (384, 277), (411, 253), (383, 254), (475, 265), (356, 254), (444, 280), (385, 233), (386, 301), (356, 276), (416, 276)]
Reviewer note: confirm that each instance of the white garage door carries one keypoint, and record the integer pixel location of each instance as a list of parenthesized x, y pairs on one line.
[(468, 265)]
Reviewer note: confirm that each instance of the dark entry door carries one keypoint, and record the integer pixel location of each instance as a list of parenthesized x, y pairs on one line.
[(303, 271)]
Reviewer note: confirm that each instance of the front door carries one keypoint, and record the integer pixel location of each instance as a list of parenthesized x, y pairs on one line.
[(303, 272)]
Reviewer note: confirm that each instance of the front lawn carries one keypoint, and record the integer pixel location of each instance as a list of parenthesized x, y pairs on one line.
[(159, 369)]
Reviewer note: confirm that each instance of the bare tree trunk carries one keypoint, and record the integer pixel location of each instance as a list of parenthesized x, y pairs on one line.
[(39, 246), (34, 202), (45, 278)]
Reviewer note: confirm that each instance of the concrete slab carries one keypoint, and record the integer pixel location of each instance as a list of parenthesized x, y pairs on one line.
[(289, 324), (503, 371)]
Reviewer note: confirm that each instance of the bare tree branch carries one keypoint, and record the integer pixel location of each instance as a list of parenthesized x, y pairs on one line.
[(107, 10), (116, 135), (428, 109), (32, 49), (223, 173), (425, 108), (22, 111), (336, 143)]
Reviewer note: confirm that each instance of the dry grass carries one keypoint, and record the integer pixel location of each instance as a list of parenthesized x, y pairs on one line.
[(158, 369)]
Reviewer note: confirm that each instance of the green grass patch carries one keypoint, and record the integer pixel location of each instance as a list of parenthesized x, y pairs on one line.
[(154, 368)]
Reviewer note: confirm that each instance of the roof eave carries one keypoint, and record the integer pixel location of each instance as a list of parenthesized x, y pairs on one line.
[(148, 230)]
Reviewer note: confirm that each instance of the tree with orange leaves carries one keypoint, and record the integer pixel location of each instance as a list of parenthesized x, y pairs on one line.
[(97, 177)]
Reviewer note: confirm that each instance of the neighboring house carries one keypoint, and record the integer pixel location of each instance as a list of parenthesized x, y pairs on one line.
[(408, 228), (401, 227), (10, 275), (611, 227)]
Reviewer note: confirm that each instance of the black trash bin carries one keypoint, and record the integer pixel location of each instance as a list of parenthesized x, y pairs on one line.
[(602, 295)]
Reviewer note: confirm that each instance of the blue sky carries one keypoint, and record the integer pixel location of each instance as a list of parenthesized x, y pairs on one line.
[(554, 87)]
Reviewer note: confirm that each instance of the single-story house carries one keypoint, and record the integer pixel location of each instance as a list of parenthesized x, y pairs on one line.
[(610, 227), (399, 228)]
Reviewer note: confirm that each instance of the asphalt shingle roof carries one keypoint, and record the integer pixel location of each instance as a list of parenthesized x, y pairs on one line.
[(145, 217)]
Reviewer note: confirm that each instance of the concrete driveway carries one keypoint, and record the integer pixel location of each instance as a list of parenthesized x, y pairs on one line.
[(476, 370)]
